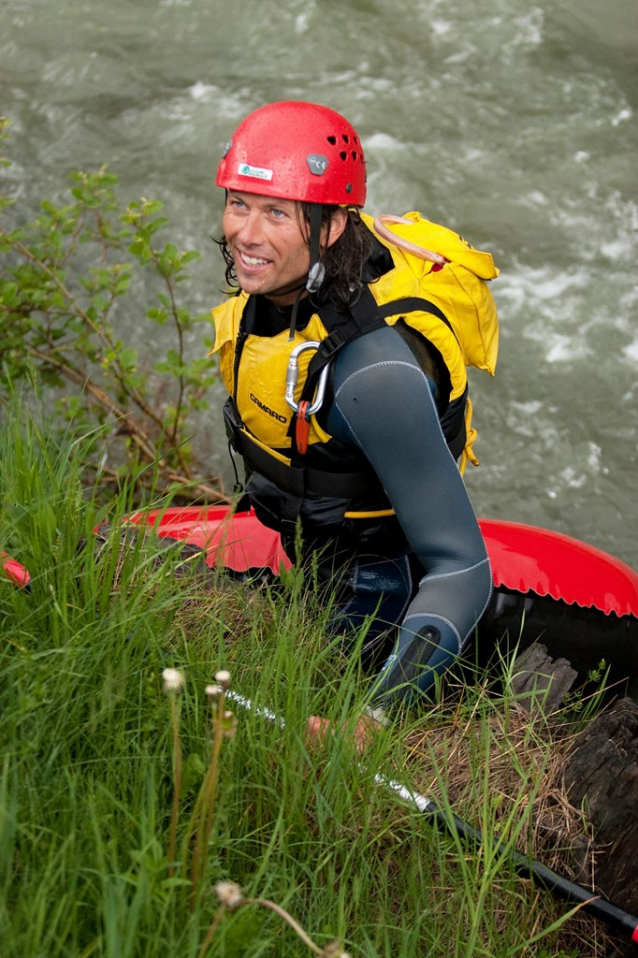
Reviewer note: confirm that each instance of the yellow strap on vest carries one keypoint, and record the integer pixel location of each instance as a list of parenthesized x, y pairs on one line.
[(471, 434), (375, 514)]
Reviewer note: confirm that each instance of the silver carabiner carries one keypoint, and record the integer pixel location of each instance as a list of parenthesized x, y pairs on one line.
[(292, 375)]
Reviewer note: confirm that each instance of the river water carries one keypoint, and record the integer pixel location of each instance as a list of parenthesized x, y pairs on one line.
[(513, 122)]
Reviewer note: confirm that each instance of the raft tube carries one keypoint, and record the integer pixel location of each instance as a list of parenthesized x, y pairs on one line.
[(238, 542), (579, 601), (523, 558)]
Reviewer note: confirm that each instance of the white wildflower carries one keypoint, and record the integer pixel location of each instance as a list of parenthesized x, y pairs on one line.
[(333, 950), (173, 680), (229, 893), (223, 678)]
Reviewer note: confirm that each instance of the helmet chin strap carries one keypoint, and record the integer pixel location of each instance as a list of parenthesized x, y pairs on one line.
[(295, 310), (317, 270)]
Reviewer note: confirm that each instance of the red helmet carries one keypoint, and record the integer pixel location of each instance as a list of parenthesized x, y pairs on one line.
[(296, 151)]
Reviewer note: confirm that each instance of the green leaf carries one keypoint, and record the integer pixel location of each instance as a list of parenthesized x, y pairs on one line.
[(128, 358), (157, 315)]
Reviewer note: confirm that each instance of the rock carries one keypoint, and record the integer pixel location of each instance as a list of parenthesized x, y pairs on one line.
[(601, 775), (541, 680)]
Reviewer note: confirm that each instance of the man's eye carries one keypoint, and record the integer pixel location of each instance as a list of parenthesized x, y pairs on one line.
[(278, 214)]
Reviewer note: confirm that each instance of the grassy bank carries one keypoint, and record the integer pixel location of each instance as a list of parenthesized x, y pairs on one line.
[(123, 805)]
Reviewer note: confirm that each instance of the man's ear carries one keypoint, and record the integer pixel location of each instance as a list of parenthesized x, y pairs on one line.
[(338, 222)]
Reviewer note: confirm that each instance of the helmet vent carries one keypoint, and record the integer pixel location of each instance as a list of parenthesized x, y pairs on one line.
[(343, 155), (332, 140)]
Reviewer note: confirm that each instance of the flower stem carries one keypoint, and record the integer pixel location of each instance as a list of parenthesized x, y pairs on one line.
[(177, 785), (205, 805)]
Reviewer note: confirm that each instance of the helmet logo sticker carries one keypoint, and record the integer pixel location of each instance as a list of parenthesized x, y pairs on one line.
[(317, 163), (257, 172)]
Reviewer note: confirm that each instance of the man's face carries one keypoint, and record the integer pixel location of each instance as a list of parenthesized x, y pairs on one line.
[(268, 242)]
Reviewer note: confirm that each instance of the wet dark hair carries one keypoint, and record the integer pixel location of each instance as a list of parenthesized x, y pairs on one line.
[(344, 261)]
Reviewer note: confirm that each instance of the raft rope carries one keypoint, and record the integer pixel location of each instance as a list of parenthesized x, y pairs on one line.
[(390, 237), (613, 915)]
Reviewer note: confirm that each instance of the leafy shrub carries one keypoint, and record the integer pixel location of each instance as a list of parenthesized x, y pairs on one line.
[(66, 277)]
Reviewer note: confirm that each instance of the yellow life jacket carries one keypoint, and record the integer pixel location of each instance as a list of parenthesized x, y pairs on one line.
[(453, 284)]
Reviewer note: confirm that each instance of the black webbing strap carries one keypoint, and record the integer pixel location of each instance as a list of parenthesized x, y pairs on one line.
[(342, 328), (453, 424), (299, 480), (294, 479), (245, 326), (363, 316)]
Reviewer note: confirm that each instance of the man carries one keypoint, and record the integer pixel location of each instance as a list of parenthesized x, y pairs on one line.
[(348, 391)]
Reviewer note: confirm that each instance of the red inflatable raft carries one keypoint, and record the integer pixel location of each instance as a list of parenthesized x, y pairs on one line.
[(581, 602)]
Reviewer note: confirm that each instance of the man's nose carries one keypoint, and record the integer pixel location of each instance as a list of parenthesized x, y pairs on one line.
[(251, 232)]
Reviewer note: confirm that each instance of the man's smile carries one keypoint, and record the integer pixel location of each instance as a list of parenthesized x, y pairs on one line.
[(251, 261)]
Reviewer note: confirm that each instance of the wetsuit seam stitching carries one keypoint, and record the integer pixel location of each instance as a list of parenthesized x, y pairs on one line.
[(450, 575), (481, 613), (378, 365)]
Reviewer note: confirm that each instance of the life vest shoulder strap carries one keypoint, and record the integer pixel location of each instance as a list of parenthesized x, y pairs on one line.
[(363, 316), (246, 323)]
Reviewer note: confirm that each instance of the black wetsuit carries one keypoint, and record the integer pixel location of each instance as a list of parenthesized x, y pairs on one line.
[(432, 578)]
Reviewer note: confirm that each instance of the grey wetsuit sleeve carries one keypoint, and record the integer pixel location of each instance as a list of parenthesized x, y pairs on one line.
[(383, 403)]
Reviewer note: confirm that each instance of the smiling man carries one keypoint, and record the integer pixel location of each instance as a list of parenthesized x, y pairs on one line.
[(345, 365)]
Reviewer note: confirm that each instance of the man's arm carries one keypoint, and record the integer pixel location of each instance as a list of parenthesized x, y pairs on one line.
[(384, 404)]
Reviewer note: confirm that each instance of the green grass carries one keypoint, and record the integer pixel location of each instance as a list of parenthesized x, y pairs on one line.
[(88, 763)]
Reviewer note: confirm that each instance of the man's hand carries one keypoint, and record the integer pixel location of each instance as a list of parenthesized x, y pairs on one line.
[(362, 735)]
